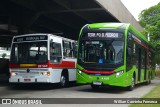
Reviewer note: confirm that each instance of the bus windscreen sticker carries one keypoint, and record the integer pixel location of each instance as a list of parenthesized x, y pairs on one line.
[(100, 61)]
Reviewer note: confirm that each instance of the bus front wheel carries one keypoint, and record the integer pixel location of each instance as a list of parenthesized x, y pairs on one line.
[(63, 81), (131, 87)]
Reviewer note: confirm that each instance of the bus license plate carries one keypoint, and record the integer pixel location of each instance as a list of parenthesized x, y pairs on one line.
[(27, 80), (97, 83)]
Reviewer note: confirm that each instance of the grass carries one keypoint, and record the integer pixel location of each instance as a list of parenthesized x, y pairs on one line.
[(155, 93)]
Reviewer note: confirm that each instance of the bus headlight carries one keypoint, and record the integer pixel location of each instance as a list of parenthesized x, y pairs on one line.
[(13, 74), (79, 71), (119, 73), (46, 73)]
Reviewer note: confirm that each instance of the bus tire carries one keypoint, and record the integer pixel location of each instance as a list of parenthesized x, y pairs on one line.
[(63, 80), (149, 79), (95, 87), (131, 87)]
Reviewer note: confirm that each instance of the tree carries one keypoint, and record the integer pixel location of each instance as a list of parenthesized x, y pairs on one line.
[(150, 20)]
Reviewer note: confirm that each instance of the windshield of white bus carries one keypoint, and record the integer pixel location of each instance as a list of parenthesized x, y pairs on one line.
[(29, 52)]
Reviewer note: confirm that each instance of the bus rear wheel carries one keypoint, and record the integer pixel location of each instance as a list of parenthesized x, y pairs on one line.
[(149, 79)]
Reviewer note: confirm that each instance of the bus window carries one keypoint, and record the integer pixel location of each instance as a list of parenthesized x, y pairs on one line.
[(29, 52), (38, 52), (67, 49), (129, 51), (74, 49), (101, 52), (55, 53)]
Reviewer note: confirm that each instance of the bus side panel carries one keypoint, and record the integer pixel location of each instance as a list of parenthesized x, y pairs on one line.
[(55, 75), (72, 74), (69, 64)]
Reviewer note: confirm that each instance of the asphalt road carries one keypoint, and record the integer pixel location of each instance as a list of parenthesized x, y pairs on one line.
[(74, 91)]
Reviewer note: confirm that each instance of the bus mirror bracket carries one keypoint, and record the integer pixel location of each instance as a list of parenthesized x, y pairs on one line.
[(51, 40)]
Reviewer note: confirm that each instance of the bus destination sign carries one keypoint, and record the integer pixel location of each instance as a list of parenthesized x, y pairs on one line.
[(30, 38), (103, 35)]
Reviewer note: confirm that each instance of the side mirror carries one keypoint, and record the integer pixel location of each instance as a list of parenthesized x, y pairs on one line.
[(51, 40), (4, 55)]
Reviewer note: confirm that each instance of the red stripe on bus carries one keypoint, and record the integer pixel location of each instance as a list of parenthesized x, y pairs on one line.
[(14, 66), (63, 64), (98, 72), (43, 65), (140, 43)]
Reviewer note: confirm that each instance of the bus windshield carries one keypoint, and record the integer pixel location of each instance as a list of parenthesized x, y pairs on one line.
[(101, 52), (29, 52)]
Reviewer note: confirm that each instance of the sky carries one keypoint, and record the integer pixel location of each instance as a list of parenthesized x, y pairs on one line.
[(136, 6)]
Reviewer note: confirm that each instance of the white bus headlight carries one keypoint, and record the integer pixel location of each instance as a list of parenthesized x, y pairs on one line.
[(13, 74), (119, 73), (46, 73)]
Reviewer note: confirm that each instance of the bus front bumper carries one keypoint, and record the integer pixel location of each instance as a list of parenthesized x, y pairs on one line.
[(110, 80), (29, 80)]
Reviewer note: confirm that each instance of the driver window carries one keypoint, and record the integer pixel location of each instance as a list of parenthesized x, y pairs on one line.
[(67, 49), (55, 53)]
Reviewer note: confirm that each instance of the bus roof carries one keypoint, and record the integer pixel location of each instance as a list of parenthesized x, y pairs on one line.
[(106, 25)]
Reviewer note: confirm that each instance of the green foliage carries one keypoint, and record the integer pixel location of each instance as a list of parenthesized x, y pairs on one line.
[(150, 16), (154, 93), (150, 20)]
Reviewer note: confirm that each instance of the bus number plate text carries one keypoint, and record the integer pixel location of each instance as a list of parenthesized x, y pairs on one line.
[(27, 80)]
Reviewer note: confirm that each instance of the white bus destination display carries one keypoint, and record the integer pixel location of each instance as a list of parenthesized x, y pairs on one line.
[(30, 38), (103, 35)]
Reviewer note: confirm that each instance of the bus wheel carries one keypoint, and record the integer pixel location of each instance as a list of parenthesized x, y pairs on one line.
[(149, 79), (131, 87), (95, 87), (63, 81)]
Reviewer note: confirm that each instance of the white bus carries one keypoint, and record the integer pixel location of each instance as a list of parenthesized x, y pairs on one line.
[(42, 58)]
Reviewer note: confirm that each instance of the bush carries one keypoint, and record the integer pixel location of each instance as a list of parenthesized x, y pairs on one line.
[(158, 73)]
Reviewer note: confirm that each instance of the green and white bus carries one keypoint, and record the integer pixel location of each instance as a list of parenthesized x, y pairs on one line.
[(114, 54)]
